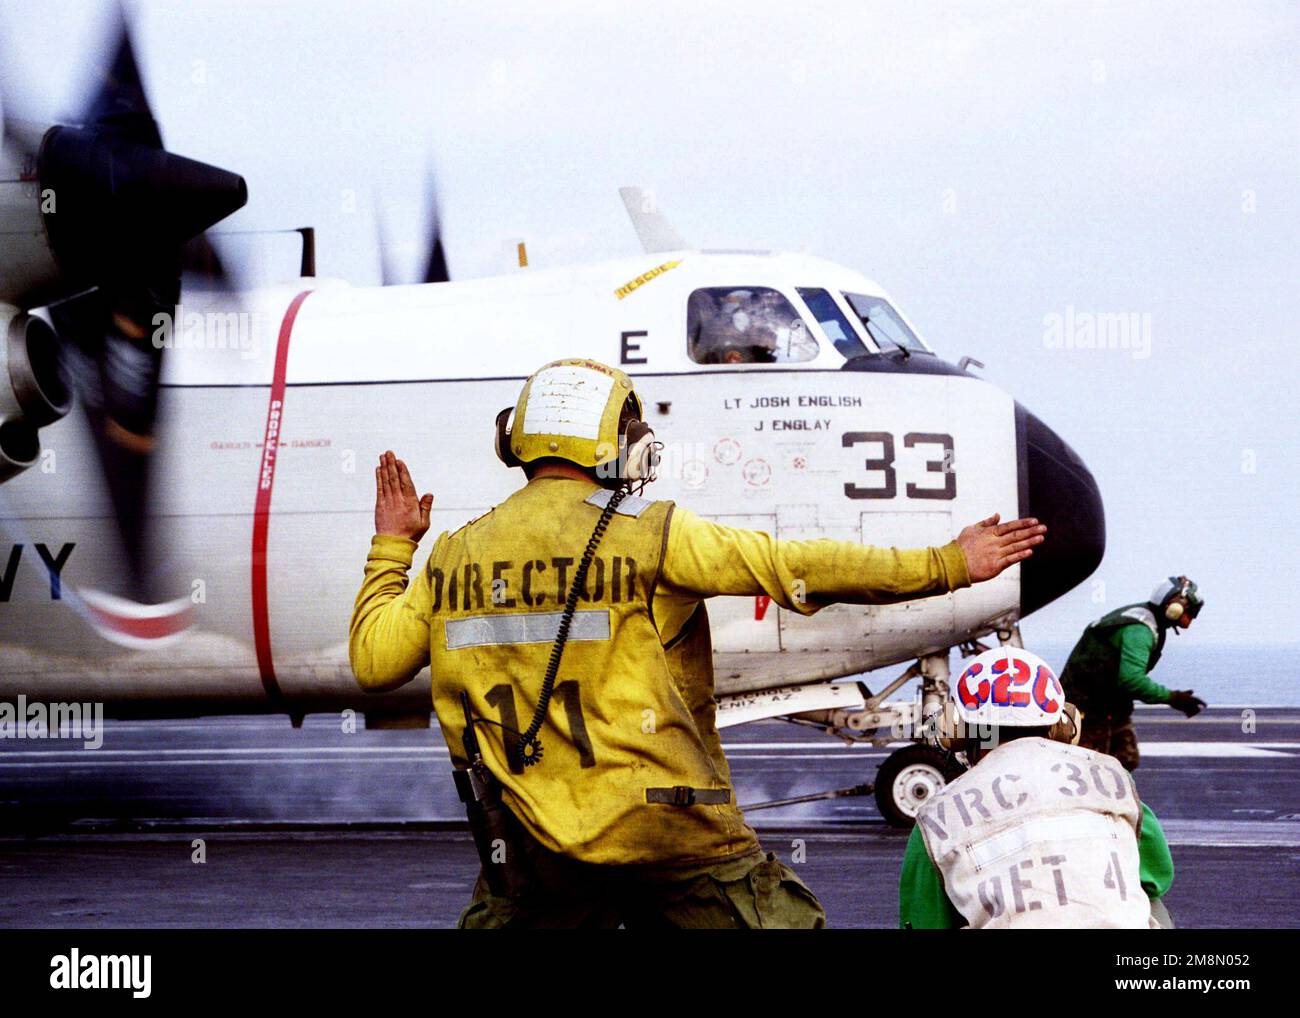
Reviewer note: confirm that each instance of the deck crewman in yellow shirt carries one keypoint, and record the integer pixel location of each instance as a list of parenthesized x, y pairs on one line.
[(572, 668)]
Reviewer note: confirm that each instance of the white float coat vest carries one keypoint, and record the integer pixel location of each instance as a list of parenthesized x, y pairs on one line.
[(1040, 834)]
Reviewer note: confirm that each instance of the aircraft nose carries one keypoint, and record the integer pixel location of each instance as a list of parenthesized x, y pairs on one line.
[(1057, 488)]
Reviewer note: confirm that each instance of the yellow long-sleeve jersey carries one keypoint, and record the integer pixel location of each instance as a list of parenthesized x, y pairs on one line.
[(633, 713)]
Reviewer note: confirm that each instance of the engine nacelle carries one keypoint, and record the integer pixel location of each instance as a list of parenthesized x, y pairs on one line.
[(32, 393)]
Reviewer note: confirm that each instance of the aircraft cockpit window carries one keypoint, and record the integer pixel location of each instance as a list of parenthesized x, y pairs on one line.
[(884, 325), (837, 328), (746, 325)]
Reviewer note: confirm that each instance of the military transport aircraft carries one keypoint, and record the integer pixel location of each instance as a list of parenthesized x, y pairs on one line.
[(190, 540)]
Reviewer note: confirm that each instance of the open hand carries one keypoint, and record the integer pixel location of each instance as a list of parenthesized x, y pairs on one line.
[(399, 511), (989, 547)]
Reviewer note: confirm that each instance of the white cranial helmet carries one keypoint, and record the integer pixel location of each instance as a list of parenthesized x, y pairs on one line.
[(1010, 687)]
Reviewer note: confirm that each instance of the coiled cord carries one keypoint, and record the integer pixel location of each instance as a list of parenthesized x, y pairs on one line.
[(528, 750)]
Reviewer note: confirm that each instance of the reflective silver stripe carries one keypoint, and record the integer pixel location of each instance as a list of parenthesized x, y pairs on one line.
[(1144, 616), (1042, 830), (525, 627), (631, 505)]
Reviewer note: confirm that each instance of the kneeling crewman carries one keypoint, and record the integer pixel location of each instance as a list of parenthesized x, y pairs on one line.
[(613, 804), (1039, 833)]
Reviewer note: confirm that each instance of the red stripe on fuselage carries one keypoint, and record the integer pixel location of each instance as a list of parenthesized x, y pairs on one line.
[(262, 506), (151, 627)]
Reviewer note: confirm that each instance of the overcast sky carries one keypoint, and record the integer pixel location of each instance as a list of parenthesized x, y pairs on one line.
[(992, 165)]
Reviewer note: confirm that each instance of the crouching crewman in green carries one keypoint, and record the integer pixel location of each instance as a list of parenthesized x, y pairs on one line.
[(1110, 665), (1039, 833), (566, 631)]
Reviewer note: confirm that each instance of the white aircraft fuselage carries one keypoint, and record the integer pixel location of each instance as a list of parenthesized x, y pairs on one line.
[(264, 488)]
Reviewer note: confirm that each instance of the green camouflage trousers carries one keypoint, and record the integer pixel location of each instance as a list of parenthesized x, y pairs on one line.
[(1113, 736), (751, 892)]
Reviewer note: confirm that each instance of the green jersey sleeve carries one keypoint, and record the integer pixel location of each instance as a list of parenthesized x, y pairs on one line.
[(922, 902), (1134, 644), (1155, 864)]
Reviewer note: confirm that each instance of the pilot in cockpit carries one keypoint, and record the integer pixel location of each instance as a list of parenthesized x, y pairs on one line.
[(746, 326)]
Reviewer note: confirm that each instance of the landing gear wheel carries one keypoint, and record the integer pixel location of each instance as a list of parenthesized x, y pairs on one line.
[(908, 778)]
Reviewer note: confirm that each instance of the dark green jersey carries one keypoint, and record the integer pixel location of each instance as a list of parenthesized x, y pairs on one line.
[(1110, 665)]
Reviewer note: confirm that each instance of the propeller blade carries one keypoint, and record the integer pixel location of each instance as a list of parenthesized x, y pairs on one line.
[(387, 274), (435, 267), (109, 360), (394, 272), (128, 218), (121, 104)]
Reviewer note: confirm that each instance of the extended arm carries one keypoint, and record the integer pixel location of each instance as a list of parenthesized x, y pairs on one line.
[(1135, 644), (705, 559), (388, 638)]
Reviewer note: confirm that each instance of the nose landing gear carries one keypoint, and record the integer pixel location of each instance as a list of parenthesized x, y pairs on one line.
[(908, 778), (913, 773)]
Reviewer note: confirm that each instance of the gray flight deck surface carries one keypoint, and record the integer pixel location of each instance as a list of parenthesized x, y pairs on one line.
[(315, 827)]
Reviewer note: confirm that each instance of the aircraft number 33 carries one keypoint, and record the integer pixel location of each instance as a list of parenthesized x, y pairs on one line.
[(944, 486)]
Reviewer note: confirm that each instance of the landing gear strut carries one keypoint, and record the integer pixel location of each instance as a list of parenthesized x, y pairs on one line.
[(914, 773)]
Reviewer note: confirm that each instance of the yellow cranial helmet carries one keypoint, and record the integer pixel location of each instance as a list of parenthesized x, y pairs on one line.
[(571, 410)]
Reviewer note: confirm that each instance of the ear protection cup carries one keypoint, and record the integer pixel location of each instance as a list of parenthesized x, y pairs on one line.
[(1179, 598), (640, 457), (941, 728), (1068, 727), (502, 439)]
